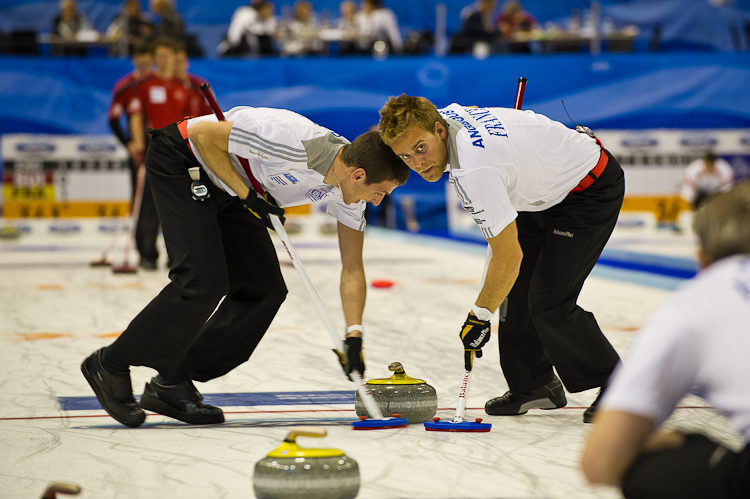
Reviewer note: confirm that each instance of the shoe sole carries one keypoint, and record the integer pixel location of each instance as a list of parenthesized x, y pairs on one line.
[(100, 397), (152, 404), (546, 403)]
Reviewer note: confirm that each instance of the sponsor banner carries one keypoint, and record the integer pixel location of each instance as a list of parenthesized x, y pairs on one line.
[(63, 175), (654, 161), (44, 209)]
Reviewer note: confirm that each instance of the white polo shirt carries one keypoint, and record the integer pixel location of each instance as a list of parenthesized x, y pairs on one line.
[(503, 161), (698, 179), (697, 343), (289, 155)]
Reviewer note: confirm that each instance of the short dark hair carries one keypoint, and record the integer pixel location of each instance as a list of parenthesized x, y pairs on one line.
[(164, 41), (380, 163), (141, 48)]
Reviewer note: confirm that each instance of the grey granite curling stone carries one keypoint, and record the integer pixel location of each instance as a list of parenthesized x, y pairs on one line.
[(294, 472), (412, 398)]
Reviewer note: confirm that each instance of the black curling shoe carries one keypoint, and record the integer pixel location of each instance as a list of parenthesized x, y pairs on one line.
[(549, 396), (182, 401), (588, 414), (115, 392)]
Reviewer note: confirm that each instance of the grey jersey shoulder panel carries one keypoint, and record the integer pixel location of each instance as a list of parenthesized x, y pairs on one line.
[(321, 151), (453, 129)]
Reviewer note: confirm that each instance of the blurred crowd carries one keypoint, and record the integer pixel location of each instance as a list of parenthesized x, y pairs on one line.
[(359, 27), (256, 29), (129, 28)]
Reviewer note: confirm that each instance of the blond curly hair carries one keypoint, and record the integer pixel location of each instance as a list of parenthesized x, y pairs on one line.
[(402, 112)]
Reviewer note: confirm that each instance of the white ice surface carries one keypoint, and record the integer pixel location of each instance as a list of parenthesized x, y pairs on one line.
[(55, 310)]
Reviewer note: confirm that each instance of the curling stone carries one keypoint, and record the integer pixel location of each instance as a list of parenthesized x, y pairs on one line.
[(9, 232), (411, 398), (293, 472)]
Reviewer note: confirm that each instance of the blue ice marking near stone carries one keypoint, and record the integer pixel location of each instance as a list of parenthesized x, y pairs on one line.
[(235, 399)]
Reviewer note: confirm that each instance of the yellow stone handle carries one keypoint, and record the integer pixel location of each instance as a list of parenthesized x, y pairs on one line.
[(305, 431), (396, 367)]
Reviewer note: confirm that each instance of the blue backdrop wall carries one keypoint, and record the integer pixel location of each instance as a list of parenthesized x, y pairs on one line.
[(71, 95)]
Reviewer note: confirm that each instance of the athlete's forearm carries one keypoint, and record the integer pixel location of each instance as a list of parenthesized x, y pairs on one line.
[(503, 268), (210, 140)]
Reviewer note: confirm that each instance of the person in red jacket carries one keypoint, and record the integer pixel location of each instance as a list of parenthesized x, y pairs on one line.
[(198, 105), (122, 93), (159, 100)]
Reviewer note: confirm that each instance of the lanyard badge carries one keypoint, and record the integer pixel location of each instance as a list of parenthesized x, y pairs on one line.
[(198, 191)]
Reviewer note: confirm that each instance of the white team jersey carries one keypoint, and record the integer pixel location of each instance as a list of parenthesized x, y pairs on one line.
[(698, 179), (289, 155), (698, 343), (503, 161)]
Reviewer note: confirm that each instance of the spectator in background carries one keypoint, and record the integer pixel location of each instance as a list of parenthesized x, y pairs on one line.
[(197, 105), (514, 22), (159, 100), (130, 23), (348, 19), (302, 31), (697, 343), (467, 11), (69, 22), (705, 177), (170, 23), (478, 27), (252, 30), (379, 23), (122, 94), (348, 24)]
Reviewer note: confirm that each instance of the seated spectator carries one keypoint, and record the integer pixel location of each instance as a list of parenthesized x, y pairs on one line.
[(697, 343), (251, 31), (130, 23), (705, 177), (379, 23), (170, 23), (467, 11), (478, 27), (69, 22), (514, 22), (302, 31), (348, 24)]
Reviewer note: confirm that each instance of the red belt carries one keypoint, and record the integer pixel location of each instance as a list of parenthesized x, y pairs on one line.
[(594, 174), (182, 127)]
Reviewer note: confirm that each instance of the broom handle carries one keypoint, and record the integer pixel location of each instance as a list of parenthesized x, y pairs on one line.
[(461, 406), (364, 392)]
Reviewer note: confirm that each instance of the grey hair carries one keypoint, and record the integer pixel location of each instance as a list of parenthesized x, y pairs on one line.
[(723, 223)]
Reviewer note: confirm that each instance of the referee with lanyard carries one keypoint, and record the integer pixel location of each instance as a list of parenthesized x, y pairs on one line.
[(546, 198), (226, 285)]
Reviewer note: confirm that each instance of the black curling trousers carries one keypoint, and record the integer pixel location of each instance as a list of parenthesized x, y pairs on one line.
[(699, 469), (544, 326), (217, 248), (147, 228)]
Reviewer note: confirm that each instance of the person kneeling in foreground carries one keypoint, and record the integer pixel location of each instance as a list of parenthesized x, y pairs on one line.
[(697, 343)]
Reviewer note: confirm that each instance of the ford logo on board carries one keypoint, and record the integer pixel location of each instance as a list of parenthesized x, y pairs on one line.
[(96, 147), (35, 147), (639, 142), (699, 141)]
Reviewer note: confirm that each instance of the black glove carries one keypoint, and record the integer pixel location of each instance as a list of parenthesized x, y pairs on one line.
[(261, 207), (352, 358), (474, 334), (469, 358)]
